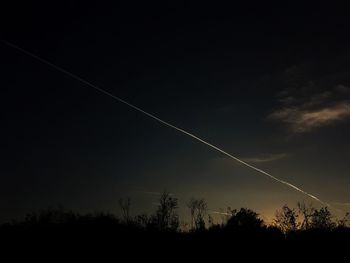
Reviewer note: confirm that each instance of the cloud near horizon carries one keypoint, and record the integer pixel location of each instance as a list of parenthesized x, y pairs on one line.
[(256, 159), (266, 158)]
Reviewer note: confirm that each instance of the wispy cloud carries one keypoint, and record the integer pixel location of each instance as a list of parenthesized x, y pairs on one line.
[(266, 158), (302, 120), (341, 204), (305, 114), (343, 89), (256, 159)]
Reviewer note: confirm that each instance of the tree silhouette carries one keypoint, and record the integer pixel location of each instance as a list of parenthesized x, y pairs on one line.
[(344, 221), (286, 219), (307, 212), (125, 206), (322, 219), (198, 210), (192, 206), (166, 215)]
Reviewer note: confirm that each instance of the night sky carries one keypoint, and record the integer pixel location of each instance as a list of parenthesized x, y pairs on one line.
[(269, 84)]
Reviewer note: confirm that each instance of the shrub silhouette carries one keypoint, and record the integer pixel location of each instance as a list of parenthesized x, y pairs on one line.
[(245, 219)]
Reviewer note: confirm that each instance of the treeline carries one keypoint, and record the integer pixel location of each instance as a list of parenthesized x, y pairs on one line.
[(241, 233), (293, 229), (166, 219)]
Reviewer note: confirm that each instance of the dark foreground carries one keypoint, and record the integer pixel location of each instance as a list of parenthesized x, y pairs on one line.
[(99, 238)]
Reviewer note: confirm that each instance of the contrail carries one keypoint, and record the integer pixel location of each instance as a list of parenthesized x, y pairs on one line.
[(219, 213), (164, 122)]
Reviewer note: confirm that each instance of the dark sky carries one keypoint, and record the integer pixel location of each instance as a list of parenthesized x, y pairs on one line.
[(267, 83)]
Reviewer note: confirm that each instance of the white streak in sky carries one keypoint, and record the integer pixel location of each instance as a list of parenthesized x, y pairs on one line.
[(166, 123), (220, 213)]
